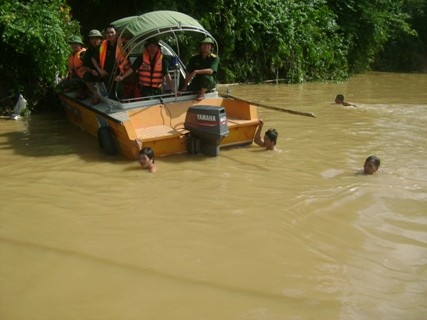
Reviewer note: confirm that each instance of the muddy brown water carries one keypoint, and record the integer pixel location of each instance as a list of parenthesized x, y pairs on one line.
[(250, 234)]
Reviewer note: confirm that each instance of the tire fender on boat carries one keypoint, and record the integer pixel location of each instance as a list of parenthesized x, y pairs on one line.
[(106, 141)]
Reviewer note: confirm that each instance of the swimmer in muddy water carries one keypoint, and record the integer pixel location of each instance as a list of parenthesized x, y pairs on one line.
[(372, 163), (339, 99), (270, 137), (146, 159)]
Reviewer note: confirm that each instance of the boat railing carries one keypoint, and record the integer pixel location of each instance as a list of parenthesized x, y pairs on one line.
[(163, 99)]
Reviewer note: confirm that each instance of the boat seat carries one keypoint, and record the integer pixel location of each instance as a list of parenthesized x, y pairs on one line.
[(156, 133)]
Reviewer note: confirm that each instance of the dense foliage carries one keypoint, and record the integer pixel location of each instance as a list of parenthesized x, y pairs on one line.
[(407, 49), (366, 26), (33, 46), (267, 39), (258, 39)]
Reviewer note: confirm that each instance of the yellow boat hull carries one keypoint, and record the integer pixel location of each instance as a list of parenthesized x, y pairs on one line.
[(158, 125)]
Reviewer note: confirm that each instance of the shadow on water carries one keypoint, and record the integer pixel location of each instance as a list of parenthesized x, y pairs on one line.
[(51, 135), (225, 152)]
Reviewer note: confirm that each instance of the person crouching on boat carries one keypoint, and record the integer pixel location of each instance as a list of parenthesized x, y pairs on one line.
[(146, 159), (152, 68), (202, 69), (91, 75), (270, 137), (105, 59), (76, 70)]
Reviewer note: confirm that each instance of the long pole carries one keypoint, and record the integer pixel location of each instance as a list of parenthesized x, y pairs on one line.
[(301, 113)]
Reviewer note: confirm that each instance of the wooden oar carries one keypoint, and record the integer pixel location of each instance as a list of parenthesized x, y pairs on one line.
[(301, 113)]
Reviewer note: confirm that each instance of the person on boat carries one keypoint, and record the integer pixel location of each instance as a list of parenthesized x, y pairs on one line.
[(270, 137), (202, 69), (109, 54), (76, 70), (339, 99), (91, 74), (152, 68), (146, 159), (372, 163)]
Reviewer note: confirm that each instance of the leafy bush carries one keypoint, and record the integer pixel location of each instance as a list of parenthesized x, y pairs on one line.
[(33, 46), (367, 25), (265, 39)]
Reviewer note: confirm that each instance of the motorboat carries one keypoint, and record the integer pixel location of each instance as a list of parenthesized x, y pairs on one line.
[(169, 123)]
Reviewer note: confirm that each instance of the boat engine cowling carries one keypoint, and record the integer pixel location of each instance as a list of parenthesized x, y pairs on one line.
[(207, 126)]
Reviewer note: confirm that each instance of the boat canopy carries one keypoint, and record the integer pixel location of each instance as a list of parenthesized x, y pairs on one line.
[(136, 30), (165, 25), (157, 22)]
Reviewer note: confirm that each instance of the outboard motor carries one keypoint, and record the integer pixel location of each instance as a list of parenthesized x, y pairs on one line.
[(207, 126)]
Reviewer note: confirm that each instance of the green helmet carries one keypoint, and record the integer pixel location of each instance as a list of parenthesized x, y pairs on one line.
[(76, 39), (94, 34), (207, 40)]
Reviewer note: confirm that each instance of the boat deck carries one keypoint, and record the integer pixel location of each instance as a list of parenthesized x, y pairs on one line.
[(156, 133), (118, 111)]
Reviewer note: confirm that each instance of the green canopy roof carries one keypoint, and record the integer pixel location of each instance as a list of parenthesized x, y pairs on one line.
[(156, 22)]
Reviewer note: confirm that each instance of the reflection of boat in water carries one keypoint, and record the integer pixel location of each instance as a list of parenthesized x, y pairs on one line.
[(168, 123)]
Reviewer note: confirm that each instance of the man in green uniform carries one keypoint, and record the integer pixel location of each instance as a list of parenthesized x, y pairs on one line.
[(92, 75), (73, 81), (202, 69)]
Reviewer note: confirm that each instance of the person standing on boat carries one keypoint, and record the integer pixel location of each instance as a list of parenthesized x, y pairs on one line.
[(76, 70), (152, 68), (270, 137), (109, 54), (202, 69), (91, 75)]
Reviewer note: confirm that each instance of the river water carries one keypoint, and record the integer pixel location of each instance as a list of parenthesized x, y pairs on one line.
[(250, 234)]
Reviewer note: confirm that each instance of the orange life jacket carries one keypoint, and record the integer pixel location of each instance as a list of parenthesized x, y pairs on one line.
[(122, 63), (75, 64), (151, 78)]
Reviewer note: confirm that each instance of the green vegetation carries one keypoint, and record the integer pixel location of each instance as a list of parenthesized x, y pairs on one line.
[(406, 50), (33, 47), (259, 40), (267, 39), (367, 26)]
